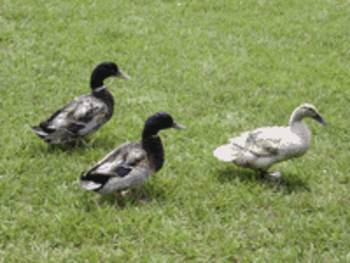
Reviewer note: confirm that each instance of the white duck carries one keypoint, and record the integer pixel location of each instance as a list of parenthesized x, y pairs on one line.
[(261, 148)]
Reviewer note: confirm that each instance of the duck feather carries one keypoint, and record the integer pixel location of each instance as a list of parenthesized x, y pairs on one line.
[(132, 163), (124, 167), (261, 148), (85, 114), (78, 118)]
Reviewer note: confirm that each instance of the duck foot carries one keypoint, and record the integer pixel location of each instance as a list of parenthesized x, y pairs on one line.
[(275, 175), (126, 192), (123, 193), (274, 178)]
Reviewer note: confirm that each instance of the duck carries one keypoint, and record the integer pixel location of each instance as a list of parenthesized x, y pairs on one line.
[(85, 114), (261, 148), (131, 164)]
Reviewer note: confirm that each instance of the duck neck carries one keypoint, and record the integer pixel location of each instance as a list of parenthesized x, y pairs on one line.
[(152, 144), (103, 94), (96, 83), (96, 80), (299, 127)]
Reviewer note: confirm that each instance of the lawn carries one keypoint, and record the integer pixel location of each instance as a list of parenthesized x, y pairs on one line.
[(219, 68)]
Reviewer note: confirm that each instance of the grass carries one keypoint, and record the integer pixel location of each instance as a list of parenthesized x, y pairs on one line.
[(218, 67)]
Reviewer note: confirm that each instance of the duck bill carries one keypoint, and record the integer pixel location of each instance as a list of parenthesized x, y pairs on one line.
[(320, 120), (178, 126), (122, 75)]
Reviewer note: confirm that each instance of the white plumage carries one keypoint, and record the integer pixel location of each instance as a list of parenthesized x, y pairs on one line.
[(263, 147)]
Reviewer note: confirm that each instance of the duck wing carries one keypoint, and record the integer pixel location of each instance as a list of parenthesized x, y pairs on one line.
[(268, 141), (79, 116), (122, 168)]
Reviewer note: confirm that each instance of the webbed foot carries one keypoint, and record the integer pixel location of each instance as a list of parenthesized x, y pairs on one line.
[(275, 178)]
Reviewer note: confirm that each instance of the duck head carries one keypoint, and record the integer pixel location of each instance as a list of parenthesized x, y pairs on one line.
[(307, 110), (104, 71), (157, 122)]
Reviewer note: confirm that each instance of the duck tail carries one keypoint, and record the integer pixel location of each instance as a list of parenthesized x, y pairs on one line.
[(40, 132), (226, 153), (88, 183)]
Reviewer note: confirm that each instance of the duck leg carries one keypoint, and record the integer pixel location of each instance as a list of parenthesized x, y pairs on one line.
[(262, 174), (77, 143), (72, 143), (80, 143), (274, 177)]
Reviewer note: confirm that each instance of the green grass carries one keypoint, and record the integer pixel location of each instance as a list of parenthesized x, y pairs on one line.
[(218, 67)]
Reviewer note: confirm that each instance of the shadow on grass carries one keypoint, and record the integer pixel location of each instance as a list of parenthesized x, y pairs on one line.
[(287, 182), (106, 144), (143, 196)]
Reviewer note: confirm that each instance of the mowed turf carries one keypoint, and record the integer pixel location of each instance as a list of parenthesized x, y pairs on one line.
[(219, 68)]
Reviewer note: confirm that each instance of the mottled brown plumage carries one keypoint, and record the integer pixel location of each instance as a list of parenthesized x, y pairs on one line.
[(133, 162), (85, 114)]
